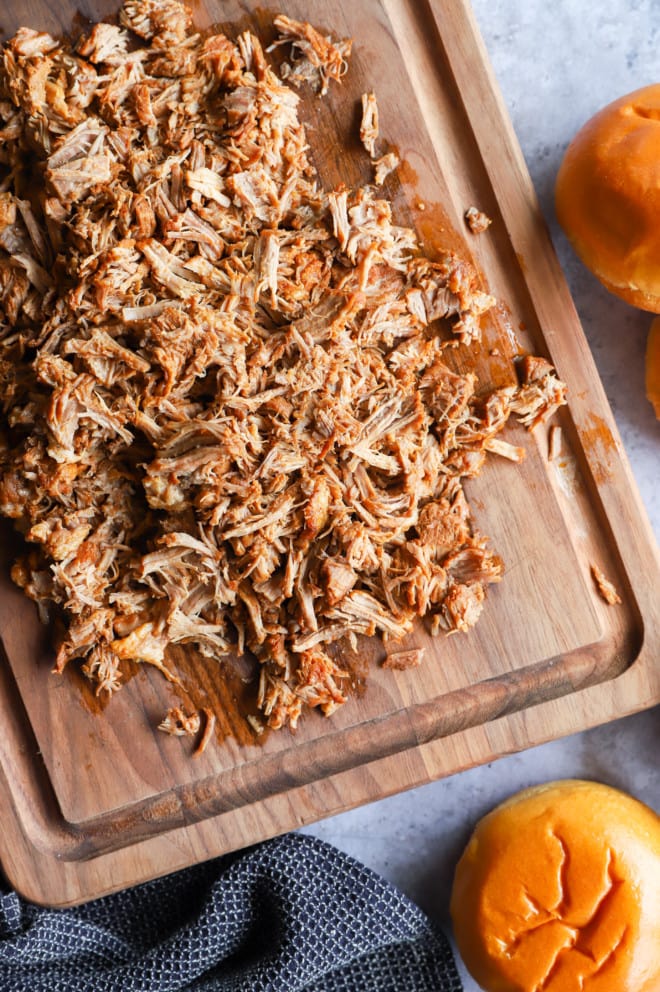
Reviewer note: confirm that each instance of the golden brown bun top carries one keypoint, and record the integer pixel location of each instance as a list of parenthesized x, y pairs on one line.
[(608, 196), (559, 890)]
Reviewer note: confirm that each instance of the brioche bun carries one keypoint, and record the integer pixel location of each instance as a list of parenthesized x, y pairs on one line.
[(607, 196), (559, 890)]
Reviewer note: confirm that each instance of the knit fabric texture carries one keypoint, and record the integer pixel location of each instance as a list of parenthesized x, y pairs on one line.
[(290, 914)]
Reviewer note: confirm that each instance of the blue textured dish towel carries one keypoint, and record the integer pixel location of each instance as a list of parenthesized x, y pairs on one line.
[(292, 914)]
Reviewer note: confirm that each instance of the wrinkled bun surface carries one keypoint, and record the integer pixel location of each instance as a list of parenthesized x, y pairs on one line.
[(559, 890), (607, 196)]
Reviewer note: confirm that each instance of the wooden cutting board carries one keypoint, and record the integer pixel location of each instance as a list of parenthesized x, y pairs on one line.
[(95, 799)]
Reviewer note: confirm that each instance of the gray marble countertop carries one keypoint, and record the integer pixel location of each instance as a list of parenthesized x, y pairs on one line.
[(557, 63)]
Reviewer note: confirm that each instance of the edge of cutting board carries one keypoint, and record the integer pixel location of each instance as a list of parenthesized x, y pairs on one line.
[(34, 844)]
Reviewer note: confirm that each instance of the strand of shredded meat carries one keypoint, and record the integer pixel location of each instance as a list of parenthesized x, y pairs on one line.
[(228, 417), (316, 58)]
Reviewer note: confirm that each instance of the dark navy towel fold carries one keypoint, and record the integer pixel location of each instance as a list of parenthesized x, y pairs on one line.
[(291, 914)]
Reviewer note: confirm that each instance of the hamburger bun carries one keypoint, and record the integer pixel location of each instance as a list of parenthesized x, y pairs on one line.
[(607, 196), (559, 889)]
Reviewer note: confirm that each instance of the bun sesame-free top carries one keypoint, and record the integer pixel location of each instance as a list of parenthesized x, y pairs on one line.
[(558, 890), (607, 196)]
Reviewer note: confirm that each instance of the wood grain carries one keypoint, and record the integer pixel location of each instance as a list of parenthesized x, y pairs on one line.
[(96, 800)]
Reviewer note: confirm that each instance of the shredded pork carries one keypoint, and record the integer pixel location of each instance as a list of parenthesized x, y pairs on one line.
[(178, 724), (477, 220), (207, 732), (606, 589), (400, 661), (384, 166), (554, 442), (369, 127), (229, 415), (316, 58)]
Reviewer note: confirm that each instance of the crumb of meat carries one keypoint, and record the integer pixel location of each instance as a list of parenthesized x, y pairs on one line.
[(256, 724), (163, 21), (316, 58), (207, 733), (554, 442), (606, 589), (386, 165), (503, 448), (228, 416), (106, 43), (541, 392), (178, 724), (401, 660), (477, 220), (369, 123)]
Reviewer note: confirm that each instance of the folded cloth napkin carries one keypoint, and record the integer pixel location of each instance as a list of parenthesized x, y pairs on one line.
[(289, 915)]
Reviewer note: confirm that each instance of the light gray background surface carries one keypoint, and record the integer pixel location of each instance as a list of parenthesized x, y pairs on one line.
[(557, 63)]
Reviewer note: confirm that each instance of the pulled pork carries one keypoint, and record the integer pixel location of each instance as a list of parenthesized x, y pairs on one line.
[(228, 418), (606, 589), (477, 220), (316, 59), (369, 128)]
